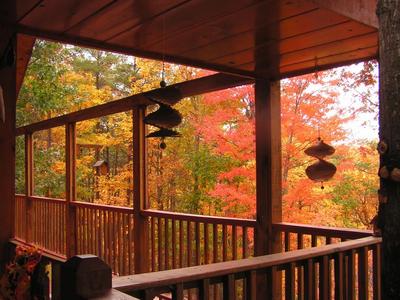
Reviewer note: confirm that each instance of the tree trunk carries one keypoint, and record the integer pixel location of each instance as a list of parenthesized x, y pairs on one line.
[(388, 12)]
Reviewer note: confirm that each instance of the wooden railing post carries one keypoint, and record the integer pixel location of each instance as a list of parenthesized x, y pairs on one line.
[(141, 226), (70, 160), (268, 175), (28, 185)]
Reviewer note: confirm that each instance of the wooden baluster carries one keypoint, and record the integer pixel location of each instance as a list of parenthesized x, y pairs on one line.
[(229, 287), (206, 244), (166, 244), (177, 292), (309, 280), (363, 273), (189, 243), (181, 242), (251, 285), (290, 281), (215, 243), (159, 242), (351, 285), (323, 278), (116, 250), (198, 243), (153, 245), (314, 241), (224, 243), (339, 289), (300, 270), (287, 241), (204, 289), (173, 243), (109, 238), (234, 242), (245, 242), (130, 247), (377, 271)]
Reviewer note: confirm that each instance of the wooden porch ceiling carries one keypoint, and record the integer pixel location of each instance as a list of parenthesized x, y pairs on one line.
[(269, 38)]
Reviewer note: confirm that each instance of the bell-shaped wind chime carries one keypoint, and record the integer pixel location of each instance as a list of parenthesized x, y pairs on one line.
[(166, 117), (321, 170)]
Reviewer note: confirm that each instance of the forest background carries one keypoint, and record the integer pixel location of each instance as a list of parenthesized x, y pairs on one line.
[(210, 169)]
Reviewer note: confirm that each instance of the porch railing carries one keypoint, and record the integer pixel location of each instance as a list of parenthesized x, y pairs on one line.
[(349, 278), (176, 240)]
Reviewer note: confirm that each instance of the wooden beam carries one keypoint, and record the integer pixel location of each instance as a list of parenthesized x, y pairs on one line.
[(7, 154), (24, 51), (189, 88), (140, 201), (362, 11)]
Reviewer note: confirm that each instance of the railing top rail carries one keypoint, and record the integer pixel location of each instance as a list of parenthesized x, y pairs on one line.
[(170, 277), (199, 218), (123, 209), (338, 232)]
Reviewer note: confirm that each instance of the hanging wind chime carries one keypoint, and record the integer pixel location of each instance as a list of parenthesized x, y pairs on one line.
[(166, 117), (321, 170)]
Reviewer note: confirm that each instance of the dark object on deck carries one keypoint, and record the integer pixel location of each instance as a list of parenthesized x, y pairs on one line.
[(320, 150), (8, 57), (164, 117), (85, 277)]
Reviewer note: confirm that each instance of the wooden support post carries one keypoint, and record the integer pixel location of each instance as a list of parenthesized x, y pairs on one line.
[(7, 148), (268, 165), (28, 185), (141, 226), (70, 187)]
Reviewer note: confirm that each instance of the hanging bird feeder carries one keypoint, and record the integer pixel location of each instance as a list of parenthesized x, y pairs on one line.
[(321, 170)]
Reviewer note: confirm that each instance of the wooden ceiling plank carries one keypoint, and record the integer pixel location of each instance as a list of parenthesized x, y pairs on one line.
[(59, 15), (214, 34), (25, 45), (26, 7), (336, 47), (288, 28), (174, 20), (95, 44), (360, 10), (231, 24), (123, 16), (346, 30), (246, 39), (325, 63)]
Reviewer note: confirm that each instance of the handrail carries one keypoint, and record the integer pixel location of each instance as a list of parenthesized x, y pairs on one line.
[(123, 209), (166, 278), (199, 218), (333, 232)]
